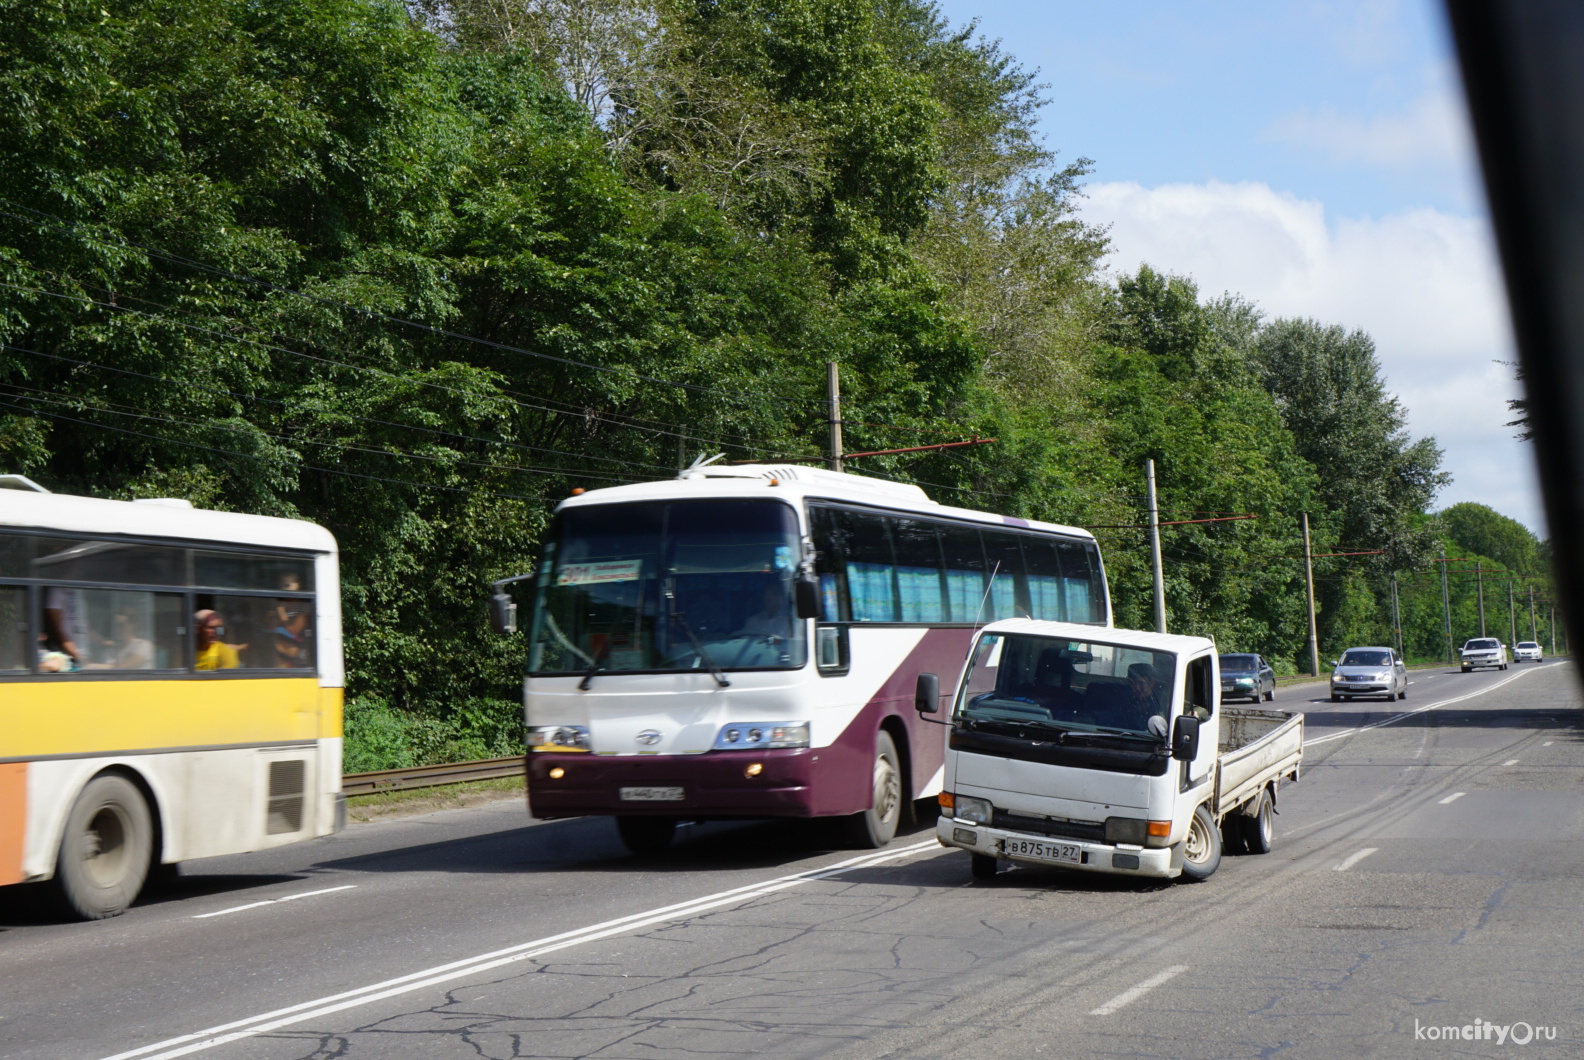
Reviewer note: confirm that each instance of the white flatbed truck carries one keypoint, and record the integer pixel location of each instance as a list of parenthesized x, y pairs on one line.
[(1105, 750)]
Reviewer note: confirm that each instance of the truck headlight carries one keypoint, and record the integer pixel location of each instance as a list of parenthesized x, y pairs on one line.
[(972, 810), (1126, 830), (759, 735), (559, 738)]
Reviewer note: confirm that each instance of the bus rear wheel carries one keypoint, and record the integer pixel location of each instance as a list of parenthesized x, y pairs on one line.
[(646, 836), (875, 827), (106, 849)]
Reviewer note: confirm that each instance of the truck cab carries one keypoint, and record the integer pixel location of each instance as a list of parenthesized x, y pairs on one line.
[(1105, 751)]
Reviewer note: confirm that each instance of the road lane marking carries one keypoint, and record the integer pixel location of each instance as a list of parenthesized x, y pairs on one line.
[(264, 1022), (1455, 796), (1510, 762), (1355, 858), (1132, 994), (275, 901), (1420, 710), (1548, 743)]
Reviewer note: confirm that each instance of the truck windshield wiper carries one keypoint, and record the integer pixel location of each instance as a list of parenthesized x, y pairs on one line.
[(704, 656)]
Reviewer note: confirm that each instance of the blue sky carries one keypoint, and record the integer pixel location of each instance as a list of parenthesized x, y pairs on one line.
[(1313, 157)]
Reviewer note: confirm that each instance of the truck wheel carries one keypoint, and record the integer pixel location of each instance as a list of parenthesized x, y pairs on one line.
[(873, 828), (1259, 826), (646, 836), (1201, 848), (106, 849), (984, 867)]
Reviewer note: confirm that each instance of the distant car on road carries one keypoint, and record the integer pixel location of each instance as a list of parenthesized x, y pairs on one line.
[(1527, 651), (1483, 651), (1247, 675), (1369, 672)]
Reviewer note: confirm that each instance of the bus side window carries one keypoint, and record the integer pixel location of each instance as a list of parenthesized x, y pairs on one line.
[(1046, 600), (1083, 593), (829, 563), (1005, 558), (921, 591), (871, 568), (965, 572), (13, 628)]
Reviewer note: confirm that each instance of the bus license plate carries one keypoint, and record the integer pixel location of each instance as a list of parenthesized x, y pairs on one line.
[(651, 794), (1061, 853)]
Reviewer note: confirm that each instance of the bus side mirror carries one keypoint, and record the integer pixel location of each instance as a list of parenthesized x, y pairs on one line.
[(1185, 739), (926, 694), (503, 613), (806, 596)]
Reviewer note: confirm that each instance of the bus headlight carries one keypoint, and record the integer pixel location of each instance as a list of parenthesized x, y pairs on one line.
[(559, 738), (972, 810), (759, 735)]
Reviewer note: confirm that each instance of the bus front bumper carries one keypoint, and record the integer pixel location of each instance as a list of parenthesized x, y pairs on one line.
[(716, 784), (1080, 855)]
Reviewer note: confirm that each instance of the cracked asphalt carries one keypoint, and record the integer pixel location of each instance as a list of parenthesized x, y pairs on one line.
[(1427, 874)]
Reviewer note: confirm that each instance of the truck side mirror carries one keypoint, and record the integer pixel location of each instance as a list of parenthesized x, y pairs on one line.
[(1185, 739), (806, 596), (926, 694), (503, 613)]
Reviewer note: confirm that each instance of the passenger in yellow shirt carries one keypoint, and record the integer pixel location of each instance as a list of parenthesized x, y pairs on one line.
[(213, 653)]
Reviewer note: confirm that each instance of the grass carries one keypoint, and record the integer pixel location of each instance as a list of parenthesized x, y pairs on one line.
[(383, 804)]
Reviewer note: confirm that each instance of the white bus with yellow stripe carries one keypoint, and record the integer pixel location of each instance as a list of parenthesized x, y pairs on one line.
[(170, 689)]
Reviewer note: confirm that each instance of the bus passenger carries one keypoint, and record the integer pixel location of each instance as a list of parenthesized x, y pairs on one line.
[(291, 645), (63, 625), (213, 653)]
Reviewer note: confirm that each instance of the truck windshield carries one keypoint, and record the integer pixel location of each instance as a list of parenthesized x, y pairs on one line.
[(1068, 685), (668, 586)]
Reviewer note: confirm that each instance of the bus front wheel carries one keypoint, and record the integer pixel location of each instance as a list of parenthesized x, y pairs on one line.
[(106, 849), (875, 827)]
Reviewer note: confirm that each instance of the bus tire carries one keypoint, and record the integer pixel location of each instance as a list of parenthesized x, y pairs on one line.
[(646, 836), (1201, 847), (873, 828), (1259, 825), (106, 849), (983, 866)]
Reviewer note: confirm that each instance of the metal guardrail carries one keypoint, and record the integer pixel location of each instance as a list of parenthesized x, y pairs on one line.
[(430, 776)]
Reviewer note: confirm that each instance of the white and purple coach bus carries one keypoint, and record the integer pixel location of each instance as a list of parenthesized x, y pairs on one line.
[(745, 642)]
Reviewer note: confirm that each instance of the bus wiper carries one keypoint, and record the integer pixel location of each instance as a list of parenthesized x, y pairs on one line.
[(594, 667), (704, 656)]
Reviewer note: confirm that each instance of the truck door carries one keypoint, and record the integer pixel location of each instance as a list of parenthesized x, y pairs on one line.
[(1201, 681)]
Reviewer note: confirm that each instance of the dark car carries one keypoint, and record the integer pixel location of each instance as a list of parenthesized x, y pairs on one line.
[(1247, 675)]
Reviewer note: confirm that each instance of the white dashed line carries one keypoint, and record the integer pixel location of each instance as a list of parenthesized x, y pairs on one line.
[(1355, 858), (275, 901), (1455, 796), (1132, 994), (1548, 743), (1510, 762)]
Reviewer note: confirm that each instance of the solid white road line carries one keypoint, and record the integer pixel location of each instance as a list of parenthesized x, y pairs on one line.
[(1408, 714), (1134, 993), (483, 962), (1355, 858), (1454, 797), (275, 901)]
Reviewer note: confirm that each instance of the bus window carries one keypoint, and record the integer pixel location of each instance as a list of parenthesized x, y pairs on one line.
[(13, 627), (109, 561), (829, 564), (1005, 560), (16, 556), (127, 629), (232, 570), (965, 572), (254, 633), (870, 568), (920, 590), (1083, 593), (1045, 586)]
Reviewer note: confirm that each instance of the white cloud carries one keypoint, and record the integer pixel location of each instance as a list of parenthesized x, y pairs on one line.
[(1423, 283), (1431, 131)]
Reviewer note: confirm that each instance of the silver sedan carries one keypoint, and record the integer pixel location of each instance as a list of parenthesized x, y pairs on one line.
[(1369, 672)]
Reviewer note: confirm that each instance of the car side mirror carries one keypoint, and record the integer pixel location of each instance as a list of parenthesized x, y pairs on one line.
[(1185, 739), (806, 596), (926, 694), (1335, 663), (503, 613)]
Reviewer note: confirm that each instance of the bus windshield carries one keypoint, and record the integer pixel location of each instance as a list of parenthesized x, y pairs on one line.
[(668, 586)]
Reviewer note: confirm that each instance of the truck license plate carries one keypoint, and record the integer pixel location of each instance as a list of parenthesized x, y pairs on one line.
[(1061, 853), (651, 794)]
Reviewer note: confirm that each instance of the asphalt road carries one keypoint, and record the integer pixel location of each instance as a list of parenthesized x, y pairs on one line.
[(1426, 875)]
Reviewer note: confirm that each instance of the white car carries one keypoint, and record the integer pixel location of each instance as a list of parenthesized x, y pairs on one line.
[(1527, 651), (1483, 651)]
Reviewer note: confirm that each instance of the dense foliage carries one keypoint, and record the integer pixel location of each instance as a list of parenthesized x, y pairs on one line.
[(416, 276)]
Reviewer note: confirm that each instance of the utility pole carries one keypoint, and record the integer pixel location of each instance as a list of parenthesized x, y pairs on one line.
[(1446, 606), (1512, 616), (1479, 579), (1314, 635), (1396, 618), (1551, 625), (1534, 630), (833, 395), (1155, 551)]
